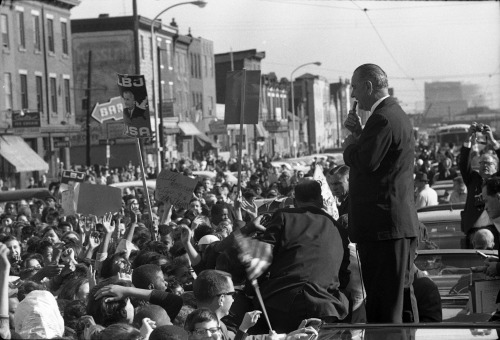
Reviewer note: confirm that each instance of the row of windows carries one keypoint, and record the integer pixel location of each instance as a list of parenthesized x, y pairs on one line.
[(196, 65), (24, 94), (37, 30)]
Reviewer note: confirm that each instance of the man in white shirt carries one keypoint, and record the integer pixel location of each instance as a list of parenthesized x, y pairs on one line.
[(425, 196)]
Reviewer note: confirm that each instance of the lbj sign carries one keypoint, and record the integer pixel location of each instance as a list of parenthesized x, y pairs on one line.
[(110, 110)]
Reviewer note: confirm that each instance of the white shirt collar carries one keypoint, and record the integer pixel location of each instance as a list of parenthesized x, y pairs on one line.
[(374, 106)]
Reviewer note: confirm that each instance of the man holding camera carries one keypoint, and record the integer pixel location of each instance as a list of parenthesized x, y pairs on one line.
[(473, 215)]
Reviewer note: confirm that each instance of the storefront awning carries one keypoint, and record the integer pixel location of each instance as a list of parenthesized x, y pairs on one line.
[(18, 153), (204, 142), (189, 129)]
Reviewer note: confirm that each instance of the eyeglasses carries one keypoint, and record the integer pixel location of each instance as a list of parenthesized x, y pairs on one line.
[(206, 332), (228, 293), (487, 163)]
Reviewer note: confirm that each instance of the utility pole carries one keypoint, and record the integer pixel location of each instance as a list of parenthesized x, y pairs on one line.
[(89, 112)]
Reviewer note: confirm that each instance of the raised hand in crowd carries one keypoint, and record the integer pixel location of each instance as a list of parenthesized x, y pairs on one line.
[(147, 328), (249, 320), (4, 292), (186, 234), (94, 240), (108, 223)]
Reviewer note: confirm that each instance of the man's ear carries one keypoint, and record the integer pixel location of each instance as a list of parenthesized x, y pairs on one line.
[(151, 286), (369, 87)]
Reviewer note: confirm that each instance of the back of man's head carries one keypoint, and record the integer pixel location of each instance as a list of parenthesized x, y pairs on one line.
[(170, 332), (145, 275), (209, 284), (483, 239), (308, 192), (373, 73), (153, 312), (341, 171)]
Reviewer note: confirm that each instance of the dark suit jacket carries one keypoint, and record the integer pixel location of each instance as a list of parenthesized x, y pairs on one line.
[(137, 113), (310, 255), (381, 188)]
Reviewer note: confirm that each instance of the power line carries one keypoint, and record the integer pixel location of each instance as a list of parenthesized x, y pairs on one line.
[(365, 10)]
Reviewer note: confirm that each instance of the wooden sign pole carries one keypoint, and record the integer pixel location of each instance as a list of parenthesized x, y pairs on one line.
[(139, 152), (240, 144)]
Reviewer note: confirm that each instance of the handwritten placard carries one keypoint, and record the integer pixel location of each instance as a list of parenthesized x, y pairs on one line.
[(329, 203), (68, 199), (174, 187), (95, 199)]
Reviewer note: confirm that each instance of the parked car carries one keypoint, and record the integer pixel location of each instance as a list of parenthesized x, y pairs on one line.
[(443, 225), (137, 186), (452, 271)]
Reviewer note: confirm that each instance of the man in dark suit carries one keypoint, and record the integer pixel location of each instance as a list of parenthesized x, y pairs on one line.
[(382, 216), (308, 266), (132, 109)]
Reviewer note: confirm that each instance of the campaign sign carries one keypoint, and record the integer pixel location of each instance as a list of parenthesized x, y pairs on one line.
[(136, 118), (113, 109), (68, 199), (174, 187), (96, 199), (72, 176)]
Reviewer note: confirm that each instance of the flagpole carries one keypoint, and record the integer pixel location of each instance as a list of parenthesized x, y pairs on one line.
[(150, 210), (240, 144)]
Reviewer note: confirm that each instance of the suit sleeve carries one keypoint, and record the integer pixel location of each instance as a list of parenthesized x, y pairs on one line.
[(464, 165), (373, 145)]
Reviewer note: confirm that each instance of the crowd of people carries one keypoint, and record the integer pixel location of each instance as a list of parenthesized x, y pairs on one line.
[(206, 270)]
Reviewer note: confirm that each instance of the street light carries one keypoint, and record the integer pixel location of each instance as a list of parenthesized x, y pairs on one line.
[(158, 115), (294, 148)]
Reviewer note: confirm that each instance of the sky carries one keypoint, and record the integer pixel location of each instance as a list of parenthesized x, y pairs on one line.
[(413, 41)]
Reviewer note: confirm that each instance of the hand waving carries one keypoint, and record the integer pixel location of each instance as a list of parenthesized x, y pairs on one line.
[(108, 224), (186, 234)]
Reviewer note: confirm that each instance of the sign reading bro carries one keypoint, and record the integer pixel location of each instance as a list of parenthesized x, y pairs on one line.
[(174, 187), (113, 109)]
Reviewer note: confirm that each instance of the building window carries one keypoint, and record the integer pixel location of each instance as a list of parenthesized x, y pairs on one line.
[(205, 65), (24, 91), (36, 31), (142, 47), (198, 65), (4, 26), (151, 47), (39, 94), (64, 33), (169, 55), (67, 96), (53, 94), (7, 82), (20, 22), (50, 34)]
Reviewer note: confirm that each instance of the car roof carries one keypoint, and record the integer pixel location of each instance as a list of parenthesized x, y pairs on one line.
[(455, 251), (446, 206), (439, 215)]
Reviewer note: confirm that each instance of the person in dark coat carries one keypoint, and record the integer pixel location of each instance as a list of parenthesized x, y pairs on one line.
[(472, 215), (382, 216), (308, 269)]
